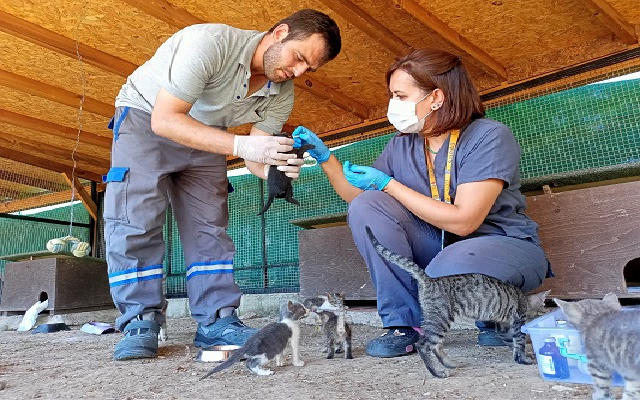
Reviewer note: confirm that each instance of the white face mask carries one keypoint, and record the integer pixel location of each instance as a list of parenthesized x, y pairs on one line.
[(402, 115)]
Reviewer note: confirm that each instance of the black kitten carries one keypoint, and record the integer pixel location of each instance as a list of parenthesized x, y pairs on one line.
[(279, 184)]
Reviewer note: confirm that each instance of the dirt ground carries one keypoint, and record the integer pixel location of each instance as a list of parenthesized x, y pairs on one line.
[(76, 365)]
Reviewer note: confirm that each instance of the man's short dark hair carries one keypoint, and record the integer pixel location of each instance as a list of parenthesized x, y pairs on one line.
[(306, 22)]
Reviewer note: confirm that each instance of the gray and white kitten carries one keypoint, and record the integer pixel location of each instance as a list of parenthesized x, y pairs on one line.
[(320, 302), (162, 334), (470, 295), (611, 339), (335, 329), (270, 342)]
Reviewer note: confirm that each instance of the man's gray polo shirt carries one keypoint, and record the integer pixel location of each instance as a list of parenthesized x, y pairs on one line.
[(209, 66)]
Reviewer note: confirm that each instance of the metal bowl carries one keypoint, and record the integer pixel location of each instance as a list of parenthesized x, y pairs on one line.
[(216, 353)]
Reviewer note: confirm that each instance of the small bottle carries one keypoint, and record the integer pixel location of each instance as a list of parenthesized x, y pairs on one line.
[(553, 364)]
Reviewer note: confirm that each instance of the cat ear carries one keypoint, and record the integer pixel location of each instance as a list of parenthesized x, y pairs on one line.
[(560, 303), (612, 299), (290, 305), (571, 311), (536, 300)]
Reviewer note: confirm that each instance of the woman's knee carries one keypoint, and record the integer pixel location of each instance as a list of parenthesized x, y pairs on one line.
[(369, 206)]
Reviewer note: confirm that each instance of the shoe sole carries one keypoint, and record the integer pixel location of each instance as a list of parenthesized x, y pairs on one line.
[(202, 345), (131, 354), (392, 355)]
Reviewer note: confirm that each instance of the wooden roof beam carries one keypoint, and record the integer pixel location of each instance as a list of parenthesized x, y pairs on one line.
[(166, 12), (50, 128), (53, 41), (427, 19), (19, 143), (612, 20), (53, 93), (314, 86), (46, 163), (35, 202), (174, 16), (85, 197), (369, 25)]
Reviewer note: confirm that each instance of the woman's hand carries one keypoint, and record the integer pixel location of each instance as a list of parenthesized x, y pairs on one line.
[(302, 136), (365, 178)]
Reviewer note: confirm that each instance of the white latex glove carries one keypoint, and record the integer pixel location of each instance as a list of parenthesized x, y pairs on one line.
[(292, 169), (263, 149)]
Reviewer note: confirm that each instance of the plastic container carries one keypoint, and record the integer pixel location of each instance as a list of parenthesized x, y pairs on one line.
[(567, 342)]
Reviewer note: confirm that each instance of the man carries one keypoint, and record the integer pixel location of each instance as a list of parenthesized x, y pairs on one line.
[(170, 145)]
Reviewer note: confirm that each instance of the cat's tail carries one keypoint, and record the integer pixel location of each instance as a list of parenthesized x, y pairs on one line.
[(401, 261), (266, 206), (233, 358)]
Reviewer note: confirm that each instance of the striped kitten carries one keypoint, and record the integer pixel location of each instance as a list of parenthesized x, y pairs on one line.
[(611, 340), (471, 295), (336, 330)]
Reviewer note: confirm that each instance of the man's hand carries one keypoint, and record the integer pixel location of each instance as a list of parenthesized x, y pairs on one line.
[(365, 178), (270, 150), (302, 136), (292, 169)]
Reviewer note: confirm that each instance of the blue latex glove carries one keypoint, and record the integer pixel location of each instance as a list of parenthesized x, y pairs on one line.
[(302, 136), (365, 178)]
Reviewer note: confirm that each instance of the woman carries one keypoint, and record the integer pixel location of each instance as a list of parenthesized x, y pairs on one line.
[(445, 192)]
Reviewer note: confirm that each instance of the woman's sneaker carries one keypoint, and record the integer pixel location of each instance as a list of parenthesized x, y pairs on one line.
[(395, 342)]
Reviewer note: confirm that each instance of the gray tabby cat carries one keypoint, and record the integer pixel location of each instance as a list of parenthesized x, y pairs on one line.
[(471, 295), (270, 342), (336, 330), (611, 339)]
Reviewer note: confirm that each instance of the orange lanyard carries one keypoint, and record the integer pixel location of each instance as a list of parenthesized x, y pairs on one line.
[(453, 139)]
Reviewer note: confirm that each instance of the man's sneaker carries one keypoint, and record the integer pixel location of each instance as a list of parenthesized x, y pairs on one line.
[(488, 336), (395, 342), (140, 341), (225, 331)]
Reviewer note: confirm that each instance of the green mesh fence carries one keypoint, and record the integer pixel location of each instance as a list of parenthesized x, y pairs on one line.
[(587, 127)]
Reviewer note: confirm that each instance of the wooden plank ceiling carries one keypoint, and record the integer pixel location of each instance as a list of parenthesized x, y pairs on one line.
[(503, 43)]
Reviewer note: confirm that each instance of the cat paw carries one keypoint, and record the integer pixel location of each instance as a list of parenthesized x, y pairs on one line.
[(525, 360), (440, 374), (260, 371), (298, 363), (162, 335), (449, 364)]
